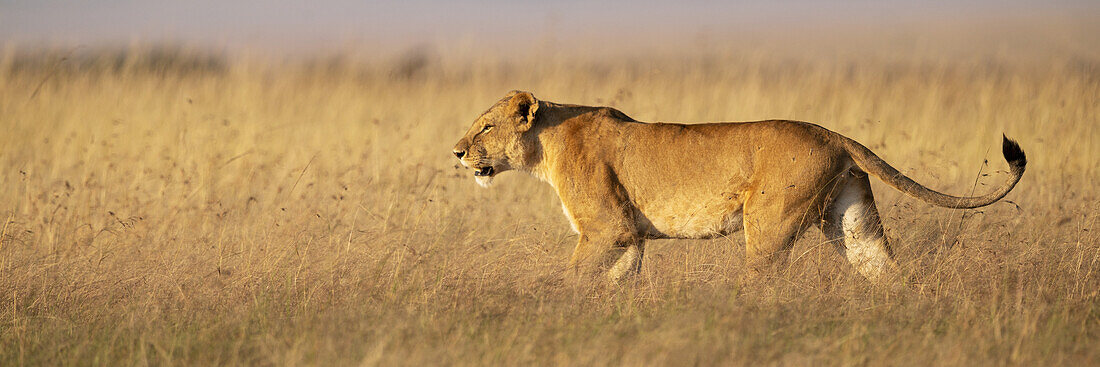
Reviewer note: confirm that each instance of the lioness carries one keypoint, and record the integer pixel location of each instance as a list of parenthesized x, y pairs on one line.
[(622, 181)]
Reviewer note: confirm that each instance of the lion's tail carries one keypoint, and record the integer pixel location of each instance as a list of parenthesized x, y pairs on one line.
[(871, 163)]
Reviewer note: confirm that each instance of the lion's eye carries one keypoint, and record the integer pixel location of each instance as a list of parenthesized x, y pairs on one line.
[(486, 128)]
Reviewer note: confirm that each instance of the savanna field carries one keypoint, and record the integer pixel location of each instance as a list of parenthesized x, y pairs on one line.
[(168, 206)]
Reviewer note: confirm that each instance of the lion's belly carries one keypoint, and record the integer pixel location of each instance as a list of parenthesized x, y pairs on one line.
[(689, 221)]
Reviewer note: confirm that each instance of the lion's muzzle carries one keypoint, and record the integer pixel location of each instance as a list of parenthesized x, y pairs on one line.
[(484, 171)]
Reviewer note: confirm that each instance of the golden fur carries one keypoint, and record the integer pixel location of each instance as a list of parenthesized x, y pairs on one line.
[(621, 181)]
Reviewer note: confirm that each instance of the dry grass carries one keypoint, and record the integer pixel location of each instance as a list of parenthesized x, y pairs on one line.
[(169, 208)]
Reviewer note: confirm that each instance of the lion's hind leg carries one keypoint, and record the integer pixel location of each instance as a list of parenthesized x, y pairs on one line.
[(771, 228), (852, 223)]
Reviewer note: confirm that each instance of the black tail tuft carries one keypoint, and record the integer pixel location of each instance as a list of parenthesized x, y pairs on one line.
[(1013, 154)]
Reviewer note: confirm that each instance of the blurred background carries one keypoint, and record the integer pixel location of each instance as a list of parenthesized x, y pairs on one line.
[(523, 25), (272, 183)]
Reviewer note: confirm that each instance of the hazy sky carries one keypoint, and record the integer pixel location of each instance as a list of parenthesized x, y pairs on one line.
[(295, 24)]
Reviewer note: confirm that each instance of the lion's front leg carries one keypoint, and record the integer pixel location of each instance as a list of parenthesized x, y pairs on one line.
[(603, 214), (629, 263), (617, 256)]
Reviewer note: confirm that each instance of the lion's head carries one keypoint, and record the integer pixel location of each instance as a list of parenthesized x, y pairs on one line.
[(498, 140)]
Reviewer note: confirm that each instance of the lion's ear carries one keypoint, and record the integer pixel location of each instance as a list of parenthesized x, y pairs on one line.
[(525, 105)]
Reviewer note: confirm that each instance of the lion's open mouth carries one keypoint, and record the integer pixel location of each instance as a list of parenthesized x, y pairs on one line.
[(484, 171)]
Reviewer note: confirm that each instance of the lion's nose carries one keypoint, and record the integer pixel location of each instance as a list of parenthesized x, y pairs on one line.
[(460, 153)]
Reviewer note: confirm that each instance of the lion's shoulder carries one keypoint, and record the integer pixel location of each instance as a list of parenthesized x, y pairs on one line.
[(614, 113)]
